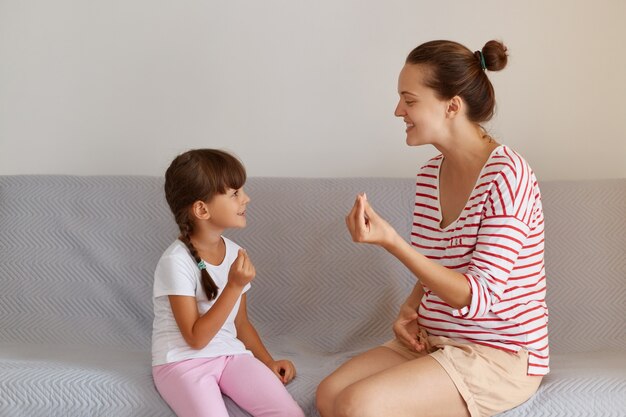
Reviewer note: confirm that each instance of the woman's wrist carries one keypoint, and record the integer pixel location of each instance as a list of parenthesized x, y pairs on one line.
[(392, 242)]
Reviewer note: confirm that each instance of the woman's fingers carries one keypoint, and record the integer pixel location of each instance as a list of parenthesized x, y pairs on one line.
[(403, 335), (407, 330), (351, 216), (360, 217), (410, 334), (360, 220), (355, 220), (368, 210), (364, 223)]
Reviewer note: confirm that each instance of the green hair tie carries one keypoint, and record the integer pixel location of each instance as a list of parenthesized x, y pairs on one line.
[(483, 64), (201, 265)]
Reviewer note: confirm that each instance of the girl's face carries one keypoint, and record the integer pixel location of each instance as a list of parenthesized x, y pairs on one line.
[(228, 210), (422, 111)]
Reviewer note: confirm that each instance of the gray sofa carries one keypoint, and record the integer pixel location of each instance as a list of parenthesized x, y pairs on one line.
[(77, 256)]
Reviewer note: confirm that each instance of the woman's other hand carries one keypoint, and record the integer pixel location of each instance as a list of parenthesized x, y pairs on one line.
[(408, 331)]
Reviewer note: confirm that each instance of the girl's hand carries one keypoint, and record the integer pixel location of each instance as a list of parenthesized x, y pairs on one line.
[(408, 331), (366, 226), (284, 370), (242, 270)]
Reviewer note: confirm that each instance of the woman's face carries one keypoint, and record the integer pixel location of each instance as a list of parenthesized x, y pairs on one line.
[(422, 111)]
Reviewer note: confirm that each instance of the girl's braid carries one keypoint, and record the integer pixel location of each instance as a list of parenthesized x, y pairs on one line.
[(209, 286)]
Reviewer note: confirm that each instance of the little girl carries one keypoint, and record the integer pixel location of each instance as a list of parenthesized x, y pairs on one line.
[(203, 344)]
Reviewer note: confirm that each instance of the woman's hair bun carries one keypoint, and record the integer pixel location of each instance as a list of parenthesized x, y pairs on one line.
[(495, 55)]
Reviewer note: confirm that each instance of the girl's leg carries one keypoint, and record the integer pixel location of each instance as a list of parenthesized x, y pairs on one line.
[(191, 388), (416, 388), (356, 369), (255, 388)]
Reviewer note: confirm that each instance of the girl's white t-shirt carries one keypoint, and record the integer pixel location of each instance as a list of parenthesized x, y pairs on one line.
[(178, 274)]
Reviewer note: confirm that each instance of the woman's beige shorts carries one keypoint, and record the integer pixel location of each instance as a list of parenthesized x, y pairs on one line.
[(489, 380)]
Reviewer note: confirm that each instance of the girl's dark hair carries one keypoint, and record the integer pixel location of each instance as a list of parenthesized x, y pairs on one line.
[(198, 175), (454, 70)]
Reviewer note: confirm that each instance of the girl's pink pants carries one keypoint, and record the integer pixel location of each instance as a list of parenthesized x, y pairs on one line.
[(194, 387)]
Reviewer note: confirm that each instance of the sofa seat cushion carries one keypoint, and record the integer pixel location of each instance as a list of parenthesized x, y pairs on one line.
[(52, 380), (579, 384), (40, 380)]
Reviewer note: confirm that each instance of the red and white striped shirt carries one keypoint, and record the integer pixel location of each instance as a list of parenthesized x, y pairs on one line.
[(497, 243)]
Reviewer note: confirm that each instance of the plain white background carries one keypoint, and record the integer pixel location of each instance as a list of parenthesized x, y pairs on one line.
[(296, 88)]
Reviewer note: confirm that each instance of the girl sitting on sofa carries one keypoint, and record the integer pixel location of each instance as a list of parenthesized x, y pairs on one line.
[(203, 344)]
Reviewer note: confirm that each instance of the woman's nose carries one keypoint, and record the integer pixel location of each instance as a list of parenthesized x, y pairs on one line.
[(399, 112)]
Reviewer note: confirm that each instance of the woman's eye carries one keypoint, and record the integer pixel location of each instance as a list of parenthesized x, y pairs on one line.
[(236, 193), (409, 103)]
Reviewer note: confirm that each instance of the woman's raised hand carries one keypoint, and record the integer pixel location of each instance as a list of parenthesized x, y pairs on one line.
[(366, 226), (242, 270)]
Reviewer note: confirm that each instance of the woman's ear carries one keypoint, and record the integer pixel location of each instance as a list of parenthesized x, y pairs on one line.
[(455, 105), (200, 210)]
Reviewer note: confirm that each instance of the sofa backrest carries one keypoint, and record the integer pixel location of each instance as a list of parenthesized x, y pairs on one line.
[(586, 264), (77, 256)]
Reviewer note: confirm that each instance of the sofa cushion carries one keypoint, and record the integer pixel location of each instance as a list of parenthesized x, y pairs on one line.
[(580, 384), (40, 380), (48, 380)]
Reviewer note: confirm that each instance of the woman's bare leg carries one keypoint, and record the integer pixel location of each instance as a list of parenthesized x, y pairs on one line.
[(415, 388), (356, 369)]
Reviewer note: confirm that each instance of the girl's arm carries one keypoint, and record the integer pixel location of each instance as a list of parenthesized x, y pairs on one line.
[(249, 336), (367, 226), (246, 332), (198, 330)]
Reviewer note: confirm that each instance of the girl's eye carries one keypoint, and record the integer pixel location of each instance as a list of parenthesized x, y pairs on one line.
[(409, 103), (236, 193)]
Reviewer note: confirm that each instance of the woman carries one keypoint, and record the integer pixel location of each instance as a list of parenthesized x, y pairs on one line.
[(471, 338)]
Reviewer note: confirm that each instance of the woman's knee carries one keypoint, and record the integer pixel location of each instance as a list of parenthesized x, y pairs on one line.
[(327, 390), (353, 402)]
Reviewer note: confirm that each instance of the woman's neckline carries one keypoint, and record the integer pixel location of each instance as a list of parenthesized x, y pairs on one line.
[(480, 174)]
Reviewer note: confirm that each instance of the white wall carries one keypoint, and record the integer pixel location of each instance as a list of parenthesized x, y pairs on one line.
[(295, 88)]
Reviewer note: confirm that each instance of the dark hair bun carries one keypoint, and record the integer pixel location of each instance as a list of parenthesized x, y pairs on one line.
[(495, 55)]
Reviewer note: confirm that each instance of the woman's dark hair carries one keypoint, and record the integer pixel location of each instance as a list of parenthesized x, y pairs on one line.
[(454, 70), (198, 175)]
